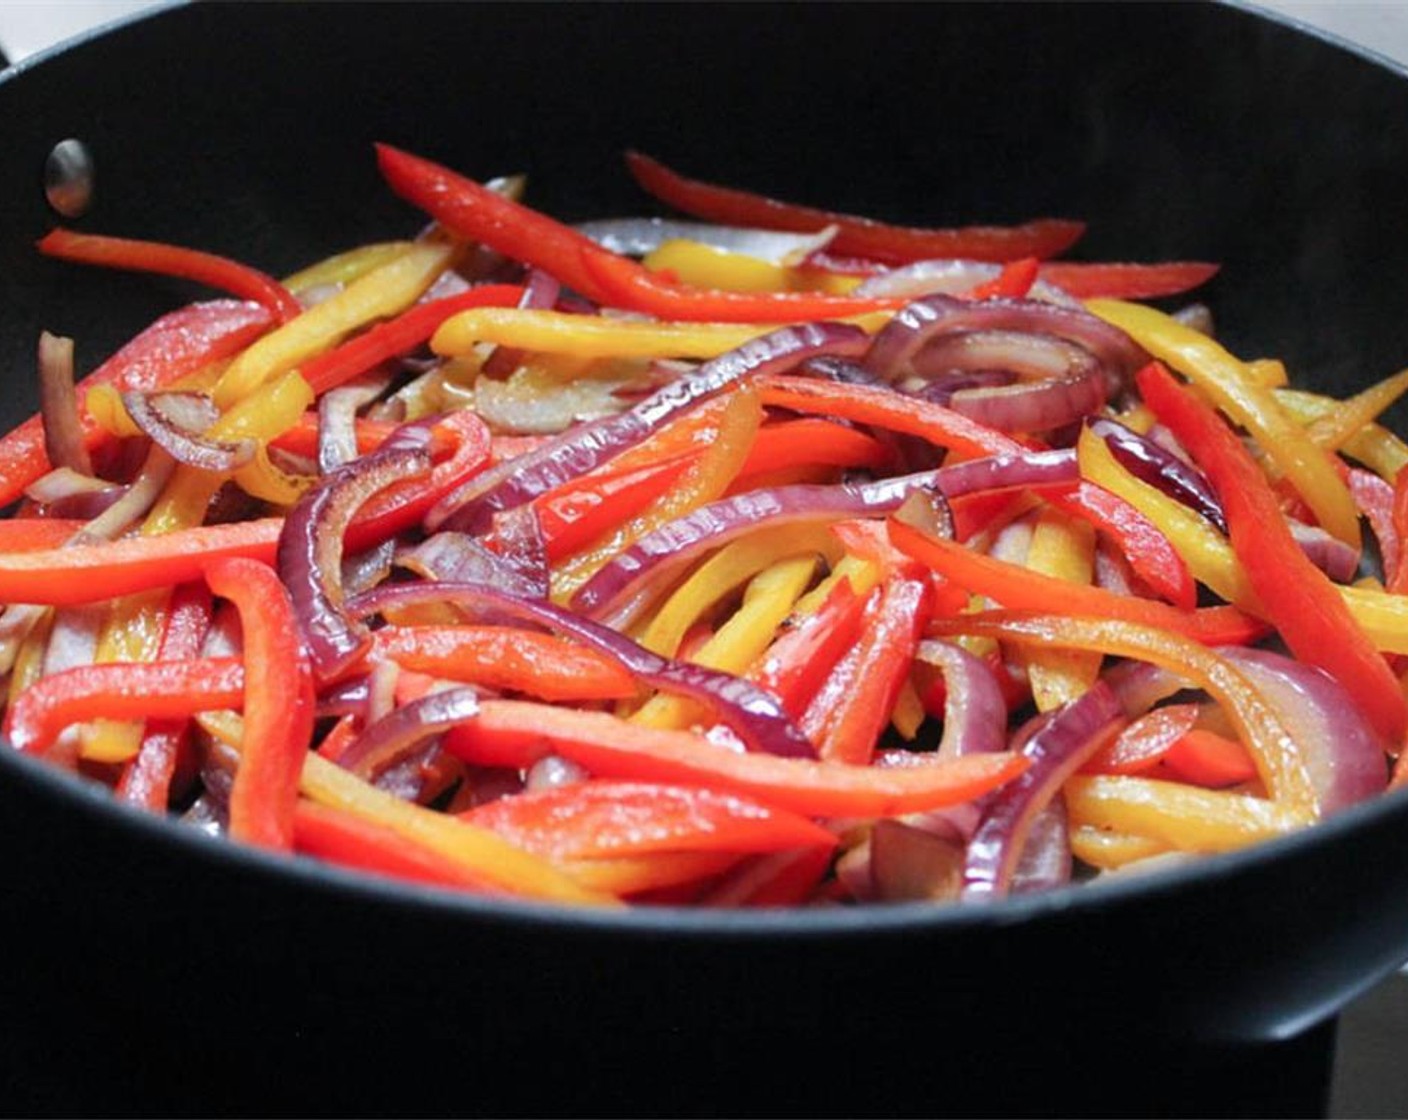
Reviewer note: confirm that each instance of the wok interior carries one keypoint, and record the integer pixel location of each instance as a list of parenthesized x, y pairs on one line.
[(1184, 132)]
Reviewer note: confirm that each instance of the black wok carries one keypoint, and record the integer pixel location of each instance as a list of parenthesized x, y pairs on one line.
[(148, 970)]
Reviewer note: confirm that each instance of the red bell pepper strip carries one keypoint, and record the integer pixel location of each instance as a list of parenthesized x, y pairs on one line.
[(811, 441), (796, 665), (604, 819), (1020, 588), (146, 779), (860, 236), (583, 509), (398, 335), (302, 438), (173, 347), (173, 260), (403, 504), (518, 733), (508, 659), (1141, 745), (118, 690), (344, 838), (854, 705), (89, 573), (476, 213), (1301, 602), (278, 703), (1205, 758), (1013, 282), (31, 534), (1126, 281)]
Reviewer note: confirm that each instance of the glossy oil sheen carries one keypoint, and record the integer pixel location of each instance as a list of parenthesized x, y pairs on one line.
[(147, 970)]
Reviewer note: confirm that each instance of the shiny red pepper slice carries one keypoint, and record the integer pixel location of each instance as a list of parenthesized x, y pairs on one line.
[(797, 664), (1300, 600), (855, 235), (173, 260), (278, 703)]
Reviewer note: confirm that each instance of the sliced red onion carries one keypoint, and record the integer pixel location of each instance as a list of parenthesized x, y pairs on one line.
[(552, 771), (1057, 750), (951, 277), (940, 388), (1040, 406), (66, 487), (910, 864), (460, 558), (518, 539), (637, 237), (847, 371), (540, 292), (311, 543), (349, 697), (337, 419), (1046, 856), (1152, 463), (58, 405), (389, 739), (1198, 317), (577, 451), (175, 421), (1374, 497), (367, 568), (975, 713), (1344, 758), (754, 715), (898, 344), (1338, 560), (135, 500), (624, 586)]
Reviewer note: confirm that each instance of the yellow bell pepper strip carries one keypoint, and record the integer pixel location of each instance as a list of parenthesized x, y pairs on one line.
[(1110, 850), (708, 266), (1280, 760), (723, 573), (1187, 818), (517, 733), (508, 659), (89, 573), (387, 291), (172, 348), (1064, 549), (796, 665), (343, 268), (851, 709), (1300, 600), (736, 644), (147, 779), (150, 689), (589, 336), (1351, 416), (1020, 588), (173, 260), (706, 479), (472, 211), (605, 819), (862, 237), (1374, 445), (477, 851), (1212, 369), (278, 703), (401, 334), (341, 837)]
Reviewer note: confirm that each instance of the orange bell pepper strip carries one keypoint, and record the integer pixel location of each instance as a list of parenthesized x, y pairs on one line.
[(173, 260), (862, 237), (506, 658), (603, 819), (1013, 282), (585, 508), (173, 347), (1300, 600), (398, 335), (84, 573), (518, 733), (341, 837), (147, 689), (476, 213), (278, 703), (1020, 588)]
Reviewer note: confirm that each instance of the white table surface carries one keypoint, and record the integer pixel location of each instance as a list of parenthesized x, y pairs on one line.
[(1371, 1076)]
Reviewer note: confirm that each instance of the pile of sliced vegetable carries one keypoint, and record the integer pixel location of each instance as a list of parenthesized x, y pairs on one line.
[(765, 556)]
